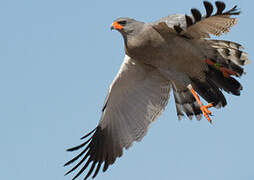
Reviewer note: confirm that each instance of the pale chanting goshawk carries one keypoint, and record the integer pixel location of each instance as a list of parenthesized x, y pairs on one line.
[(174, 52)]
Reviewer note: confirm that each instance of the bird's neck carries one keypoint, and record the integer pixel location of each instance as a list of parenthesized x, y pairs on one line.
[(144, 45)]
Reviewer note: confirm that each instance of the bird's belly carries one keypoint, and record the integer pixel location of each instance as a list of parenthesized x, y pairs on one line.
[(177, 53), (182, 56)]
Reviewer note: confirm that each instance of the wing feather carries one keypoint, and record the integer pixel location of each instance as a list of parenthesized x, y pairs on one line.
[(198, 26), (216, 24), (136, 98)]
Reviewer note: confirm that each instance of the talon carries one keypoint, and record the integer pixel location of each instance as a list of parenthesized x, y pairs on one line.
[(203, 108), (206, 112)]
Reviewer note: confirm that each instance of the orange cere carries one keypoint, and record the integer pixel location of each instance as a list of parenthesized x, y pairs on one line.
[(116, 25)]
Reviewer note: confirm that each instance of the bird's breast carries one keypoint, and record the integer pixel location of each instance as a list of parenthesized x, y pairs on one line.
[(147, 46)]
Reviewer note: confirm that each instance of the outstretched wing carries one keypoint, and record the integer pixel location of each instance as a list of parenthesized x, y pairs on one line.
[(136, 98), (216, 24), (198, 26)]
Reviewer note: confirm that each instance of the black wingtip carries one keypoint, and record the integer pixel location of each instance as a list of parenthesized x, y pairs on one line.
[(209, 8), (189, 21), (97, 169), (88, 134), (196, 14), (220, 7), (233, 11), (79, 146), (72, 149), (66, 164), (97, 146), (66, 173)]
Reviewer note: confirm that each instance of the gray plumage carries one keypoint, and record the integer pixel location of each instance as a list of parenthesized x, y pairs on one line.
[(169, 53)]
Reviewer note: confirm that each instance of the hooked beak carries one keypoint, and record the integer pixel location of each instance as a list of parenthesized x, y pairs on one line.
[(116, 26)]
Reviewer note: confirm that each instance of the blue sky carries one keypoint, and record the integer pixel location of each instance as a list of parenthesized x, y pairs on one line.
[(57, 59)]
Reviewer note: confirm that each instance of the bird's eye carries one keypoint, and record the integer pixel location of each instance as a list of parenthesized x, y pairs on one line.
[(122, 22)]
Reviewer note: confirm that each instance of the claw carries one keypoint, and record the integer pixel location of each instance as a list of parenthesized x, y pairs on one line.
[(203, 108), (206, 112)]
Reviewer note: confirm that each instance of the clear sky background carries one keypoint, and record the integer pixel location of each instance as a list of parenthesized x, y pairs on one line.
[(57, 59)]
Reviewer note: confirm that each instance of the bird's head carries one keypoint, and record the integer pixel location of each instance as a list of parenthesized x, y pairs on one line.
[(126, 26)]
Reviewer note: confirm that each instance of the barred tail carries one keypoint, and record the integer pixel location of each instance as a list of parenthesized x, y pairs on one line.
[(226, 60), (186, 104), (228, 54)]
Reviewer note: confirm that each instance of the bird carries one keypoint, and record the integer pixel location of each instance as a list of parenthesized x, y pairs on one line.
[(174, 53)]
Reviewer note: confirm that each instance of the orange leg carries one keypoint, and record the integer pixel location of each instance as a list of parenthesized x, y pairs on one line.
[(203, 108)]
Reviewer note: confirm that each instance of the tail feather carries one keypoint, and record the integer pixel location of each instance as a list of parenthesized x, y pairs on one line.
[(226, 44), (210, 92), (225, 56), (186, 103), (238, 57), (228, 54), (230, 85)]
